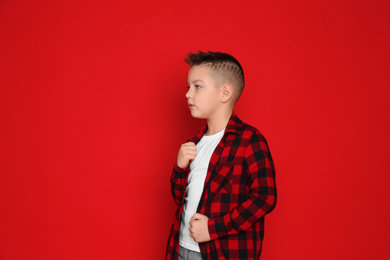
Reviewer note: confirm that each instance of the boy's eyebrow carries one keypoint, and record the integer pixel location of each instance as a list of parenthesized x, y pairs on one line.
[(196, 81)]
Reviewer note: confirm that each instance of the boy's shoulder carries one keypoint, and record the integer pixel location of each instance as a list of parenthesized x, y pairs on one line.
[(248, 135), (251, 137), (244, 129)]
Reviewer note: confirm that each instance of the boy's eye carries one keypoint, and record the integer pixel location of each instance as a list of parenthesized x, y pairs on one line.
[(196, 86)]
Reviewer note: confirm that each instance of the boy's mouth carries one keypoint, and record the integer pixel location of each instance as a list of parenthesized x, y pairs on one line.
[(190, 105)]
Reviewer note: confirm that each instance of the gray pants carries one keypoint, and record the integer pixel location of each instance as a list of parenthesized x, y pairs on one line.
[(186, 254)]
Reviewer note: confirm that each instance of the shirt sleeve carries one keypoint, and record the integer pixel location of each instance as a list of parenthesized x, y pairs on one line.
[(178, 178), (260, 178)]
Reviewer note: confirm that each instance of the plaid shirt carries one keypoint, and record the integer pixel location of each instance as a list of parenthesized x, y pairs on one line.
[(239, 190)]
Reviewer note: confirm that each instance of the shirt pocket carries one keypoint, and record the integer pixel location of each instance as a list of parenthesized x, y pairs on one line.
[(222, 178)]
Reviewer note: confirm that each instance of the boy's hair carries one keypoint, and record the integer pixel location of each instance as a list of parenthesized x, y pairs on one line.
[(227, 68)]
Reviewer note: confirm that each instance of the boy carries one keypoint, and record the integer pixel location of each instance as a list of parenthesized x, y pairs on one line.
[(224, 180)]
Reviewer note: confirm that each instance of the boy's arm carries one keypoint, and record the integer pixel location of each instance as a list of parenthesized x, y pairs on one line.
[(260, 177), (187, 152), (178, 178)]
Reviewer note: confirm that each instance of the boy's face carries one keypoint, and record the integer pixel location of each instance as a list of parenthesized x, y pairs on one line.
[(203, 93)]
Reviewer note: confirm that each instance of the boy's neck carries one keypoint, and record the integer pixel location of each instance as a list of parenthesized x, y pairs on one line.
[(218, 123)]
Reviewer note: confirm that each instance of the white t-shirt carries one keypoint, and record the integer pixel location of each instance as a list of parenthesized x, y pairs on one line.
[(198, 171)]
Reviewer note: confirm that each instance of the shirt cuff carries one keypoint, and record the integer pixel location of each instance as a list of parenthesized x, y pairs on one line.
[(179, 171)]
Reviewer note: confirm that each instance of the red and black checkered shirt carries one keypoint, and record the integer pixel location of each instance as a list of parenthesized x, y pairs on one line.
[(239, 190)]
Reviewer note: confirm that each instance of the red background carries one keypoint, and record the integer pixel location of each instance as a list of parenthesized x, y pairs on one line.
[(93, 113)]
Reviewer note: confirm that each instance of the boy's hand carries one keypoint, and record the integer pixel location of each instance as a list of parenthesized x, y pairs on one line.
[(186, 153), (199, 230)]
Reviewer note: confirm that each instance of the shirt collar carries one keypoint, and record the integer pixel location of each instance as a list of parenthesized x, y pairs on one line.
[(234, 126)]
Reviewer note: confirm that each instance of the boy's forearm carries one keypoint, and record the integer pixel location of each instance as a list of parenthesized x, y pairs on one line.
[(177, 180)]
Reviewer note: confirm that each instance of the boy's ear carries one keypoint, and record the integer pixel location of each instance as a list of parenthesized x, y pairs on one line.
[(227, 93)]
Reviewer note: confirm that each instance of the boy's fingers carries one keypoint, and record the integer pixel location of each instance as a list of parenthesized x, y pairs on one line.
[(191, 152), (189, 148), (189, 144), (196, 216), (192, 156)]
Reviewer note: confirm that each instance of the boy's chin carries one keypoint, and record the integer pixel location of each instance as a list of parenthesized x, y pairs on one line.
[(197, 116)]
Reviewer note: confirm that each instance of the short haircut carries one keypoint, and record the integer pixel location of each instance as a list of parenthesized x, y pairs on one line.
[(227, 68)]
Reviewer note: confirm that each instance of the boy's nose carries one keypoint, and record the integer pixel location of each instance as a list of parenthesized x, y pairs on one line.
[(188, 94)]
